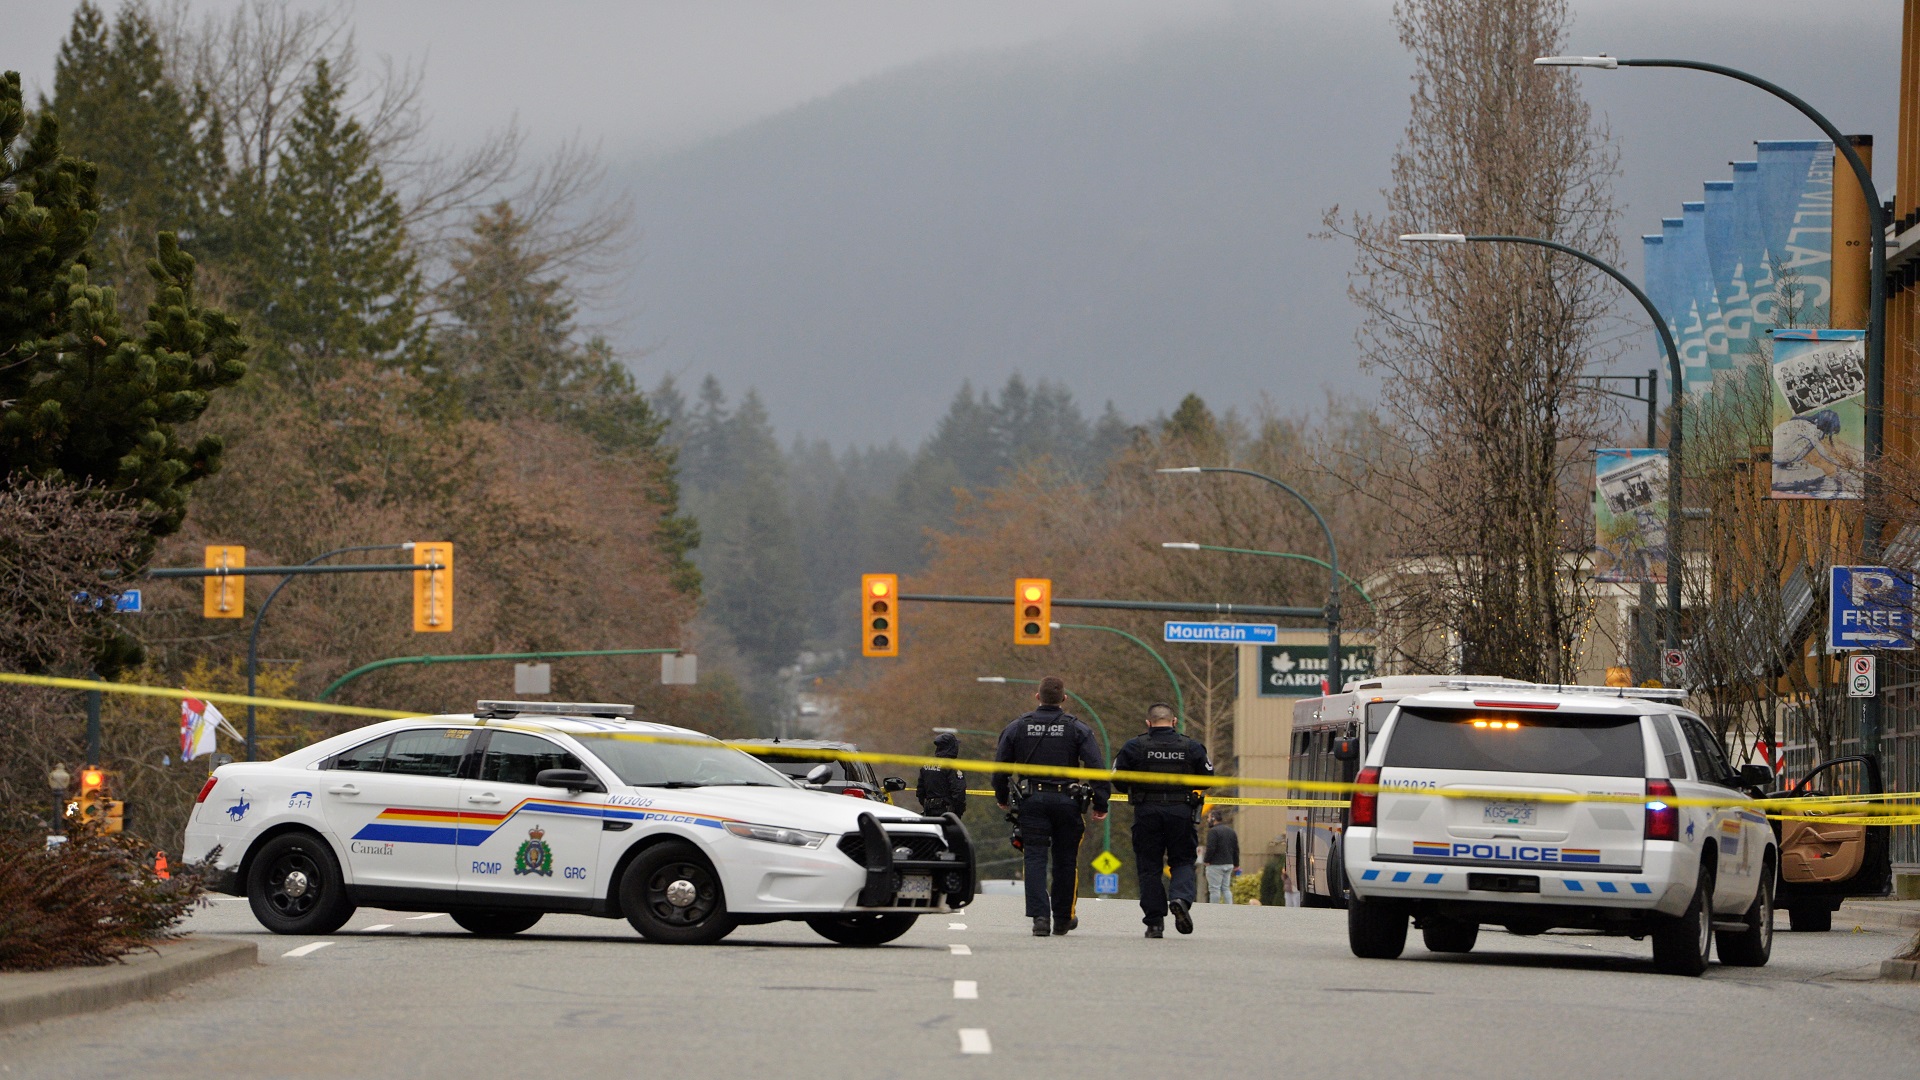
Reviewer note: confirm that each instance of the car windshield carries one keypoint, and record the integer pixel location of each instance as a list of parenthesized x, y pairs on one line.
[(1581, 744), (644, 763)]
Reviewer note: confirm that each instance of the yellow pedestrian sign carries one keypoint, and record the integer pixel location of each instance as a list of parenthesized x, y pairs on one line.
[(1106, 863)]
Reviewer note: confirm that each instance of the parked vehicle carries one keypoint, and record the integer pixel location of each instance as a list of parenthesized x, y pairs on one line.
[(855, 778)]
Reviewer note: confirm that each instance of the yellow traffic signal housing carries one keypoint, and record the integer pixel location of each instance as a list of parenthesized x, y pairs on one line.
[(116, 818), (433, 589), (224, 597), (91, 804), (879, 615), (1033, 611)]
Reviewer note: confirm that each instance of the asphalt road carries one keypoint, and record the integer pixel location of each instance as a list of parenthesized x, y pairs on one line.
[(1255, 991)]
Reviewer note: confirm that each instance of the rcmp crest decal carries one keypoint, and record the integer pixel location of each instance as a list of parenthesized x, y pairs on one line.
[(534, 857)]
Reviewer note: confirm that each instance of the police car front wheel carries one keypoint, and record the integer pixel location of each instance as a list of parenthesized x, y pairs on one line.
[(671, 895)]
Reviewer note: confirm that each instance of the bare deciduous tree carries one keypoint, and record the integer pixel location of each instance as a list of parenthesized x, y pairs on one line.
[(1482, 347)]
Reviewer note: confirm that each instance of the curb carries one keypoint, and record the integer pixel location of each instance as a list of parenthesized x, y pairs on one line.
[(1900, 970), (27, 997)]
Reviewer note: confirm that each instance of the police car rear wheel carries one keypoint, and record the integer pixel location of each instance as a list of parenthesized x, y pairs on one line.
[(1376, 929), (1449, 935), (864, 929), (1682, 945), (495, 923), (294, 886), (671, 895)]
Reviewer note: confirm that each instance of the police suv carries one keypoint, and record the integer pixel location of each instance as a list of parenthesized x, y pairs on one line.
[(1532, 855), (524, 808)]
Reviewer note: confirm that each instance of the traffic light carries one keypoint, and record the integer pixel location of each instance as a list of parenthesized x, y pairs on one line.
[(879, 615), (433, 589), (91, 805), (1033, 611), (116, 818), (224, 597)]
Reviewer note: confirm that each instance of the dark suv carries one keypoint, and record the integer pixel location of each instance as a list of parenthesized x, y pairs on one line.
[(855, 778)]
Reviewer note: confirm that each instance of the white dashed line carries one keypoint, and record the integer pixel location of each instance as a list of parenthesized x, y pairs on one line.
[(376, 926), (975, 1041), (960, 950), (966, 990), (956, 926), (429, 915), (305, 949)]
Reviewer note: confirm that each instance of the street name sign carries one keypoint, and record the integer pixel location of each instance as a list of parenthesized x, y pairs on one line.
[(1869, 607), (1222, 633)]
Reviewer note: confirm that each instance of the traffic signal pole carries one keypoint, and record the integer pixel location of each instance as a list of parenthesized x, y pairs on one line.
[(1134, 605)]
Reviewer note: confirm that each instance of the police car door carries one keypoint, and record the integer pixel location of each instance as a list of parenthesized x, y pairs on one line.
[(1739, 835), (391, 802), (518, 837)]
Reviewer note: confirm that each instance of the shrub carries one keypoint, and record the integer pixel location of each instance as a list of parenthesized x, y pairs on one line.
[(1246, 888), (1273, 882), (88, 901)]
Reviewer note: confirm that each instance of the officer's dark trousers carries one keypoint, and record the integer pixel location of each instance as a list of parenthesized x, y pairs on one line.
[(1163, 835), (1051, 825)]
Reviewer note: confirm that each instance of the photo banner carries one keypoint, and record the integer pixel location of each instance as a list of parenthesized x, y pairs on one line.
[(1819, 413), (1630, 515)]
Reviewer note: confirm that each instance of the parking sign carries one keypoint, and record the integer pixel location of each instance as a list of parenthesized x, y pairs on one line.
[(1869, 607), (1863, 677)]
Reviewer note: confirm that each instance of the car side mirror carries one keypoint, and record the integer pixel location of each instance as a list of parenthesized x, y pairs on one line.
[(1756, 776), (819, 775), (1346, 749), (571, 779), (894, 783)]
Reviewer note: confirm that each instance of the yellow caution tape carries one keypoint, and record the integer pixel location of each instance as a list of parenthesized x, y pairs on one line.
[(1849, 809)]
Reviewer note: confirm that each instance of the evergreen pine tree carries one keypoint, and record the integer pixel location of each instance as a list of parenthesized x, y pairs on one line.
[(330, 273)]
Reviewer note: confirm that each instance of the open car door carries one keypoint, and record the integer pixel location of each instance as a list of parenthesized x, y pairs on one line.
[(1823, 863)]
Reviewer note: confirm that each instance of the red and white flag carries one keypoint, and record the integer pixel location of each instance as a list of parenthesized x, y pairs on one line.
[(198, 722)]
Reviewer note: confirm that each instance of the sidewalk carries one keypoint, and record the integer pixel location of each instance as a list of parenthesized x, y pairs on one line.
[(29, 996), (1878, 915)]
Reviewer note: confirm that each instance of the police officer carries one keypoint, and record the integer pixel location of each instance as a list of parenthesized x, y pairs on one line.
[(1048, 811), (1163, 818), (943, 790)]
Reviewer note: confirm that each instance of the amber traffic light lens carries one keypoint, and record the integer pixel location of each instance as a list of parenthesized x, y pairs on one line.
[(91, 778), (1033, 592), (879, 588)]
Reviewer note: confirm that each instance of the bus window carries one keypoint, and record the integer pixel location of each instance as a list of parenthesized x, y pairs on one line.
[(1377, 715)]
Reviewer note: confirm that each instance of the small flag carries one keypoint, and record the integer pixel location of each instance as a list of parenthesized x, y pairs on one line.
[(198, 722)]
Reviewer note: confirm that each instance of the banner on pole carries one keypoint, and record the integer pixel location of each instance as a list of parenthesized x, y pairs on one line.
[(1630, 515), (1819, 413)]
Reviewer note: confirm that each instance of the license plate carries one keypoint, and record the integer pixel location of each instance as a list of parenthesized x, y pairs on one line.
[(1510, 813), (916, 887)]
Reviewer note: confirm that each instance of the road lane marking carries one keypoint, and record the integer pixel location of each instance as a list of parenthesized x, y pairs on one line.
[(960, 950), (376, 926), (956, 926), (966, 990), (305, 949), (975, 1041), (430, 915)]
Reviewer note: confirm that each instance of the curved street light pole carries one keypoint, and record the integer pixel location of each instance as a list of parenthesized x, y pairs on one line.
[(253, 638), (1322, 563), (1675, 429), (1334, 681), (1877, 222), (1179, 702)]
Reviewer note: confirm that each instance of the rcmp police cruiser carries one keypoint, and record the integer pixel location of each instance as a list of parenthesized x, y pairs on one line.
[(1047, 813), (1164, 818)]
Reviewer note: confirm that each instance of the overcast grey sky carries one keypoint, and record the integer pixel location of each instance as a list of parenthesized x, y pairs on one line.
[(651, 80)]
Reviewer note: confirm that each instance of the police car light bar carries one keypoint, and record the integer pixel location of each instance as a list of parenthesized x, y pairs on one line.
[(1647, 692), (495, 710)]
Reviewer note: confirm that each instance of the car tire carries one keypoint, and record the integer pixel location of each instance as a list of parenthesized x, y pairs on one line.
[(862, 929), (495, 922), (1449, 935), (671, 894), (294, 886), (1753, 946), (1810, 918), (1303, 879), (1376, 929), (1682, 944), (1336, 877)]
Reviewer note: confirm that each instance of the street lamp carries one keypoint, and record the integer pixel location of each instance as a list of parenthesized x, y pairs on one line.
[(58, 778), (1675, 557), (1333, 563), (1179, 701), (1344, 576), (1877, 219)]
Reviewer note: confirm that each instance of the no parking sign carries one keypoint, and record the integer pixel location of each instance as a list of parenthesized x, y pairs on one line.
[(1863, 677)]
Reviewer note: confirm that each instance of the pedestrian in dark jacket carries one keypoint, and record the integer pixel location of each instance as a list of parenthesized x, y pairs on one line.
[(1223, 860), (943, 791)]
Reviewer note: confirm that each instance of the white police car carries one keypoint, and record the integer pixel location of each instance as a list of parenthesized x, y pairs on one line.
[(1681, 875), (525, 808)]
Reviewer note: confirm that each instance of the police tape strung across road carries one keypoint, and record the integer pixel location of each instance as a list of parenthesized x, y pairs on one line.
[(1223, 800), (1894, 808)]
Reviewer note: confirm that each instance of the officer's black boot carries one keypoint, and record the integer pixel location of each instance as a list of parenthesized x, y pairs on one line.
[(1042, 926), (1154, 930), (1062, 926), (1182, 917)]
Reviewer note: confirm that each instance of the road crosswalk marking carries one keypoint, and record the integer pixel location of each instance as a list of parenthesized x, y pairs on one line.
[(305, 949), (376, 926), (960, 950), (975, 1041)]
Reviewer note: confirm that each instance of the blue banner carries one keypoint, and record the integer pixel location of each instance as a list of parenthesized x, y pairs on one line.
[(1795, 185)]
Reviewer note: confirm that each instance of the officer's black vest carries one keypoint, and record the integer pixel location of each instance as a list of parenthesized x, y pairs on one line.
[(1162, 754)]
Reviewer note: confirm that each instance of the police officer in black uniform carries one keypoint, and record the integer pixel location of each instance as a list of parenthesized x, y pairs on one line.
[(1048, 811), (943, 790), (1163, 818)]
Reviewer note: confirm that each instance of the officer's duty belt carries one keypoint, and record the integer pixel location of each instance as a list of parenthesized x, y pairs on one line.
[(1049, 785), (1159, 796)]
